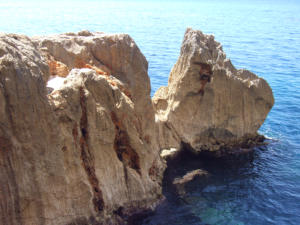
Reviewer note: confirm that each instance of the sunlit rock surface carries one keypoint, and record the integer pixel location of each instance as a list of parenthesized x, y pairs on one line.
[(86, 153), (209, 104)]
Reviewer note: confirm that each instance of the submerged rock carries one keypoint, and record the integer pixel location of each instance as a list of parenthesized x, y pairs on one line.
[(180, 182), (208, 104)]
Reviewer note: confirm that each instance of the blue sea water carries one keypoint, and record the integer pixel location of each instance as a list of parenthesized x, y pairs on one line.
[(262, 36)]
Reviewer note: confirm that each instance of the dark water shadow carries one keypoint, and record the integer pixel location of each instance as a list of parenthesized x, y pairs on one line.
[(181, 209)]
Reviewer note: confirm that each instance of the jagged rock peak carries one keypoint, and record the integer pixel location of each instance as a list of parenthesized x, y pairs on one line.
[(208, 104)]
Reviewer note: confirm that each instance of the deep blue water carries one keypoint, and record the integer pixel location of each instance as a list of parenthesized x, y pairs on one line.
[(262, 36)]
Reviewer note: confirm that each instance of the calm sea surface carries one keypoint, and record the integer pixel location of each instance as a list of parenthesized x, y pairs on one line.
[(262, 36)]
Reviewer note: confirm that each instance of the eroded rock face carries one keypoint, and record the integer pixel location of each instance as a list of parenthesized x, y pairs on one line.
[(107, 54), (100, 122), (80, 139), (208, 104), (87, 153)]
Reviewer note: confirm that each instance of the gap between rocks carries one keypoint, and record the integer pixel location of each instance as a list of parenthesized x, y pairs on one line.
[(126, 154)]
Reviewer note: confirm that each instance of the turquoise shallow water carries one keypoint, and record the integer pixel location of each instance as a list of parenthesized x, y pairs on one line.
[(262, 36)]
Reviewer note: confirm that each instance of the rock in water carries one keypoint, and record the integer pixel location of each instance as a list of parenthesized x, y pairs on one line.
[(87, 153), (180, 182), (80, 139), (209, 104)]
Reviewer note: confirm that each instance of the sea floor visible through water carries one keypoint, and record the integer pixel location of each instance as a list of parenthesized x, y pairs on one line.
[(262, 36)]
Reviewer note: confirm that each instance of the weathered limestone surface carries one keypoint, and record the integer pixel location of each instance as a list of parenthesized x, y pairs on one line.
[(80, 138), (208, 104), (87, 153)]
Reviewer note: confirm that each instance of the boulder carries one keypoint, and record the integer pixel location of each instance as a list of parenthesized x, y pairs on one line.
[(209, 104), (87, 152)]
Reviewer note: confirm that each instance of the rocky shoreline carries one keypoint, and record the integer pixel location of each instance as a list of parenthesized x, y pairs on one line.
[(81, 139)]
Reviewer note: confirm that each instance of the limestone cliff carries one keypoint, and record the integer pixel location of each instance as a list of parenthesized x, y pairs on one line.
[(209, 104), (86, 153)]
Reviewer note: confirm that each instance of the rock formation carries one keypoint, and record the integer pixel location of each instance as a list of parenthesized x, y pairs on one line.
[(87, 153), (180, 182), (80, 138), (208, 104)]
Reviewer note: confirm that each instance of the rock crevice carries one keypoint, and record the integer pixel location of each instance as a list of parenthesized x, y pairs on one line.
[(126, 154), (86, 155)]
